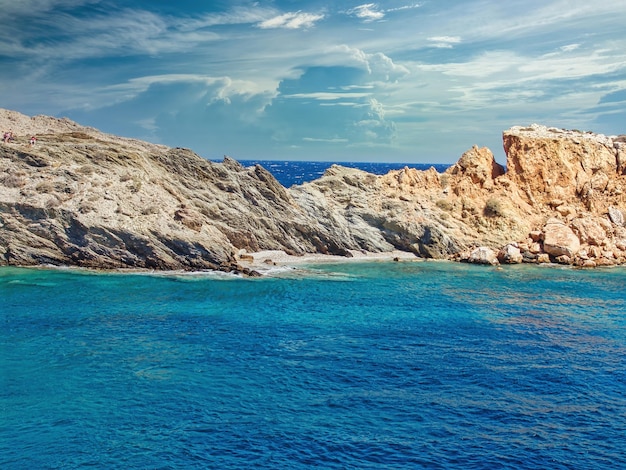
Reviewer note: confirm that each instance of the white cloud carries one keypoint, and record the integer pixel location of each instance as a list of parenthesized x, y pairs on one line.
[(484, 65), (213, 89), (335, 140), (326, 96), (378, 65), (494, 77), (101, 35), (444, 42), (367, 12), (535, 58), (295, 20), (11, 9), (370, 12), (236, 16), (405, 7), (573, 66)]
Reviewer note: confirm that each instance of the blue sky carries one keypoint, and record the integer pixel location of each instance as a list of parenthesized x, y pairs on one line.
[(398, 81)]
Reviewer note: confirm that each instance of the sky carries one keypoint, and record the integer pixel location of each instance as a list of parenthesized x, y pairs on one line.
[(394, 81)]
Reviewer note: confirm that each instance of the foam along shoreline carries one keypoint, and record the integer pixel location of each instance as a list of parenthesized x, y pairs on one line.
[(270, 260)]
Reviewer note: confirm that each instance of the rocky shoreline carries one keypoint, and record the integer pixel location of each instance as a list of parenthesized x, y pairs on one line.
[(80, 197)]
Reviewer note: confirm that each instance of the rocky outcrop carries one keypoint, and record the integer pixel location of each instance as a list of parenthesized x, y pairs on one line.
[(81, 197), (557, 168), (572, 185)]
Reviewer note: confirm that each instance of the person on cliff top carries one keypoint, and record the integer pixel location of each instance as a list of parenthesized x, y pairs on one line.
[(33, 141)]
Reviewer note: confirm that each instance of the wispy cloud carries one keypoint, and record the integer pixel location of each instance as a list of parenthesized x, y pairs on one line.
[(404, 7), (368, 12), (397, 79), (335, 140), (326, 96), (295, 20), (444, 42), (11, 9)]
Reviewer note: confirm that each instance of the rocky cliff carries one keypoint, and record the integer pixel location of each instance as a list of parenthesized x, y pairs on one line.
[(81, 197)]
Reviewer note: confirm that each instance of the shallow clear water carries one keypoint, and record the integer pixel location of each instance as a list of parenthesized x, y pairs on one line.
[(360, 365)]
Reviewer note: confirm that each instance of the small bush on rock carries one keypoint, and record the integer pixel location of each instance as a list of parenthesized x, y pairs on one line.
[(13, 181), (494, 208), (45, 187), (444, 205)]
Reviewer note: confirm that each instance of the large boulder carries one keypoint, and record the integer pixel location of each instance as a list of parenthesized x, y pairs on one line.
[(510, 254), (559, 239), (591, 230), (483, 255)]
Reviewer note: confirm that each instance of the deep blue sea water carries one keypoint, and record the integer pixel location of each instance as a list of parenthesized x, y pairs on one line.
[(289, 173), (361, 365)]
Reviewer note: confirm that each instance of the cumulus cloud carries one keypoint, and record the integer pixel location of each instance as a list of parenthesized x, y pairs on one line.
[(378, 65), (224, 87), (295, 20), (208, 114), (373, 126)]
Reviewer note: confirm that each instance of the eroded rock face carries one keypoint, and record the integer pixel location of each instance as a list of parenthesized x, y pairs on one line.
[(81, 197), (554, 166)]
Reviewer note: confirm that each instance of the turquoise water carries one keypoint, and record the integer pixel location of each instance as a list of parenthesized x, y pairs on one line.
[(360, 365)]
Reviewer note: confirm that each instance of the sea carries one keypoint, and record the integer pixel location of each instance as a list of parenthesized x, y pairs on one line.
[(331, 365), (289, 173)]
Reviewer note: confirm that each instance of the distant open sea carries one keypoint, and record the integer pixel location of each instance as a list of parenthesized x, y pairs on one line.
[(354, 365), (289, 173)]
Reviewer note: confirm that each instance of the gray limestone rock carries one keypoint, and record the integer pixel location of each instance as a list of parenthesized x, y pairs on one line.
[(616, 216)]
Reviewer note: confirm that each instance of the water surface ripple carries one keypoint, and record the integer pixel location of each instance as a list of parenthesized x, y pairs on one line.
[(362, 365)]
